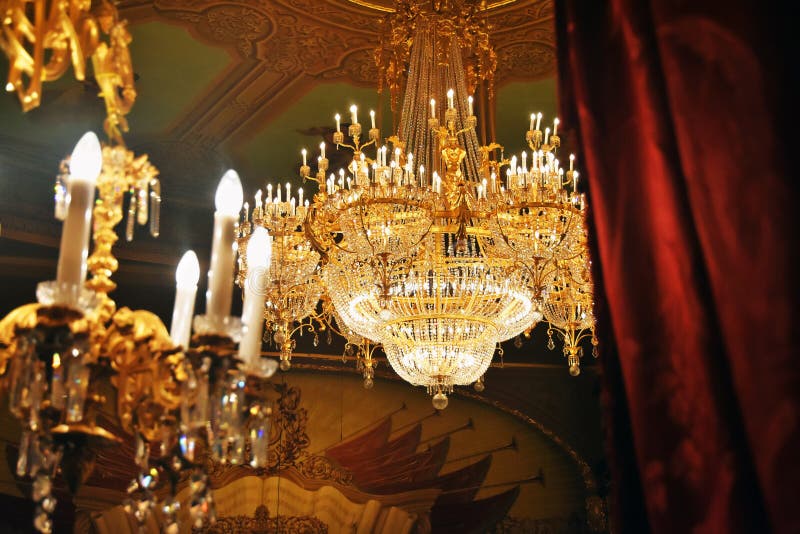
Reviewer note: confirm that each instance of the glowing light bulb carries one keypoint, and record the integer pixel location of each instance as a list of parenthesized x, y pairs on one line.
[(188, 272), (259, 248), (229, 197), (86, 161)]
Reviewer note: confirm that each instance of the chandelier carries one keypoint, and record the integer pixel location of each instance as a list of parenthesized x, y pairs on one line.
[(406, 252), (290, 286), (432, 247)]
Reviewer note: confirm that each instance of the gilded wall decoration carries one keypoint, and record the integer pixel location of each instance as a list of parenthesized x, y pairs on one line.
[(262, 523)]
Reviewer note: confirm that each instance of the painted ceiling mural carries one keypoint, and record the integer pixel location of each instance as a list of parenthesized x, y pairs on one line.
[(346, 459)]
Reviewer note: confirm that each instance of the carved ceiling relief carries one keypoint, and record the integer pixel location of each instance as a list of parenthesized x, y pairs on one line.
[(224, 25), (329, 40)]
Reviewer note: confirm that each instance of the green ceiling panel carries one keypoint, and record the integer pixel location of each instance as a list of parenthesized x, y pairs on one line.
[(515, 103), (275, 151), (174, 69)]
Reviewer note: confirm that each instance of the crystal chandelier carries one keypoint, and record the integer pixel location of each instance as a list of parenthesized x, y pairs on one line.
[(290, 285), (407, 263), (182, 398)]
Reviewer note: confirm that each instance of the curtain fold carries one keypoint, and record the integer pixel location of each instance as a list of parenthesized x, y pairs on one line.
[(679, 108)]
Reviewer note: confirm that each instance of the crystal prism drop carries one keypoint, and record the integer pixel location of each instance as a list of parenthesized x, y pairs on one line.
[(61, 197), (155, 207), (550, 344), (24, 450), (130, 221), (141, 202), (42, 486), (42, 522)]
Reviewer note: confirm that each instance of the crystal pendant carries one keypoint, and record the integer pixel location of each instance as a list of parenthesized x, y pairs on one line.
[(42, 486), (155, 207), (131, 218), (61, 197), (77, 386), (141, 202), (259, 441), (42, 522), (550, 344), (24, 450)]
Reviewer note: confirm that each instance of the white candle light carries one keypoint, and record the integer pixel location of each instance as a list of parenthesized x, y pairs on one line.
[(572, 162), (353, 114), (372, 117), (259, 254), (304, 152), (300, 196), (533, 119), (84, 168), (322, 149), (469, 104), (220, 275), (555, 126), (338, 122), (450, 103), (546, 135), (538, 119), (433, 107), (186, 276)]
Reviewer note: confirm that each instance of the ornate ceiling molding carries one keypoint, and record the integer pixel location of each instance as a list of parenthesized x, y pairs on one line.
[(281, 49)]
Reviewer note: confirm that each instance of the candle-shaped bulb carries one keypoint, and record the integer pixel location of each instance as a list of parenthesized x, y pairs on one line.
[(188, 272), (259, 248), (186, 277), (322, 149), (433, 107), (538, 119), (546, 135), (469, 104), (230, 196), (259, 255), (555, 126), (372, 117), (259, 194), (533, 120), (288, 191), (572, 162), (338, 122), (300, 196), (304, 152), (450, 94), (86, 161), (354, 114)]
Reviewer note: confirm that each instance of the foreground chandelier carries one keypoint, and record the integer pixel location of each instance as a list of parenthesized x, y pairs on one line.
[(180, 400), (41, 38)]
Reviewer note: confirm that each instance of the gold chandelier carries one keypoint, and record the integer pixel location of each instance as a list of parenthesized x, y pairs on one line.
[(433, 253), (290, 285)]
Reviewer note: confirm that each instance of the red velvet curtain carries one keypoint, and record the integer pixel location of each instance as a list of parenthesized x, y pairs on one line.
[(682, 110)]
